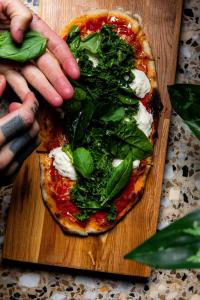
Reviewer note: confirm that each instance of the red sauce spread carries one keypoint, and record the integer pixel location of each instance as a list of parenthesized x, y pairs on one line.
[(146, 101), (101, 218), (127, 195), (62, 187), (93, 25)]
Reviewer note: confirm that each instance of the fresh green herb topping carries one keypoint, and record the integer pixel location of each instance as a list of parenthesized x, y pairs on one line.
[(100, 120), (33, 46)]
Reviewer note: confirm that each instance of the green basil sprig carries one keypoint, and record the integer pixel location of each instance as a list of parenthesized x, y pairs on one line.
[(176, 246), (120, 177), (83, 162), (33, 46)]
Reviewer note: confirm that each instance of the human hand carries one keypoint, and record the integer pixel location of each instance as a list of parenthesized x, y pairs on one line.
[(18, 133), (48, 73)]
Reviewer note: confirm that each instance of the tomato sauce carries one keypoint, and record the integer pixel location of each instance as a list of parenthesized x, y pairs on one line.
[(146, 101), (62, 187), (93, 25), (101, 218)]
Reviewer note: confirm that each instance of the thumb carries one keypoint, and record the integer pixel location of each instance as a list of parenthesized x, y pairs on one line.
[(20, 17)]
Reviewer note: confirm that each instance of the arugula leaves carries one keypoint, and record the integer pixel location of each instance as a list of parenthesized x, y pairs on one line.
[(34, 45), (100, 120), (185, 101)]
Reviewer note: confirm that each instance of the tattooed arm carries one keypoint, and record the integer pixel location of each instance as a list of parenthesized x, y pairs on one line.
[(48, 74), (18, 134)]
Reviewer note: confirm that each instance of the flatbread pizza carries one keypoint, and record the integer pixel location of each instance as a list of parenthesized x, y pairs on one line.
[(95, 160)]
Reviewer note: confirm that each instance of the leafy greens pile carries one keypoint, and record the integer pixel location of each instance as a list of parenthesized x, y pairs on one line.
[(100, 120)]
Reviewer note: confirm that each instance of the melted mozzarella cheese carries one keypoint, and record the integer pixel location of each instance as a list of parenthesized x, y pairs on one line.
[(144, 120), (62, 163), (94, 60), (141, 84), (116, 162)]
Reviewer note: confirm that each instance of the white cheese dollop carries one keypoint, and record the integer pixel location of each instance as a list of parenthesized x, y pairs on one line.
[(141, 84), (144, 119), (94, 60), (116, 162), (62, 163)]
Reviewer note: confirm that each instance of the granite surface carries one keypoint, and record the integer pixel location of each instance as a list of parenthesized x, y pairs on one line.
[(180, 194)]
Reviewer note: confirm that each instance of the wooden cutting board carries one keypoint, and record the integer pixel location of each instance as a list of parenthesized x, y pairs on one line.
[(32, 235)]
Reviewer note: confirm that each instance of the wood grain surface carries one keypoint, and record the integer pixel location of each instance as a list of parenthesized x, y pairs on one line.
[(32, 235)]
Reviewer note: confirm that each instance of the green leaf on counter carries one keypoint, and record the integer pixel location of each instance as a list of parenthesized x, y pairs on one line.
[(83, 162), (185, 99), (176, 246), (33, 46)]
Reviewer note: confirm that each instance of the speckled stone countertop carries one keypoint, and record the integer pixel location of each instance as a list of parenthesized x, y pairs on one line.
[(180, 194)]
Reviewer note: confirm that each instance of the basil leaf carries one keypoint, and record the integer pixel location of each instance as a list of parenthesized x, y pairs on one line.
[(176, 246), (128, 132), (33, 46), (185, 101), (82, 122), (128, 100), (74, 39), (119, 178), (75, 31), (114, 115), (91, 43), (83, 162), (79, 94)]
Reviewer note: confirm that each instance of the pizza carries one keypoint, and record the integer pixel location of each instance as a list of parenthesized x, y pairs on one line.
[(96, 158)]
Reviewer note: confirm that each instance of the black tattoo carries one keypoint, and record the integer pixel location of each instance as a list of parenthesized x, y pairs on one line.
[(12, 127), (18, 143), (29, 149)]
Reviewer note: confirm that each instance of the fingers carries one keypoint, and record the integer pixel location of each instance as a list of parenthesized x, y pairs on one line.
[(19, 120), (2, 84), (20, 17), (37, 79), (50, 67), (15, 80), (11, 149), (58, 47)]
